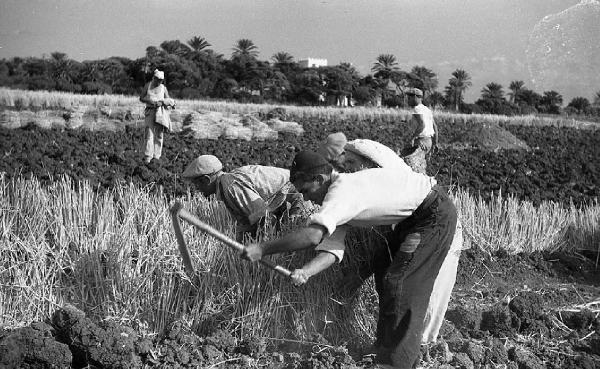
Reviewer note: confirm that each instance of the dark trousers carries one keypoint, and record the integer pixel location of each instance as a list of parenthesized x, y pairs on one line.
[(404, 280)]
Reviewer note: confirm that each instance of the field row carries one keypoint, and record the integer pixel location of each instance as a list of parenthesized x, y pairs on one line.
[(36, 100), (115, 254), (531, 163)]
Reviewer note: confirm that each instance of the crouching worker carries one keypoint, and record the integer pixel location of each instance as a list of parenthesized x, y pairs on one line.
[(334, 150), (252, 194), (366, 198), (348, 156)]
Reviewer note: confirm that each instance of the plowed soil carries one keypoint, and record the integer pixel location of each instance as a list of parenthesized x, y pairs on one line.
[(520, 311), (531, 163), (507, 311)]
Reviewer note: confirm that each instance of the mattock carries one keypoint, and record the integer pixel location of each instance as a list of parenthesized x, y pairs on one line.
[(177, 212)]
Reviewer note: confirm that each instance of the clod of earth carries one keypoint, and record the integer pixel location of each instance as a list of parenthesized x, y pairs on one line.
[(33, 347), (560, 165), (479, 332)]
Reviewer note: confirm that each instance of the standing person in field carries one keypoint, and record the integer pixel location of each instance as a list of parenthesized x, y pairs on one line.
[(252, 194), (364, 154), (155, 96), (372, 197), (426, 136)]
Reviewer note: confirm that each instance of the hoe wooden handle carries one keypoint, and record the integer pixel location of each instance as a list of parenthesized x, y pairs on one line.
[(183, 249), (177, 211)]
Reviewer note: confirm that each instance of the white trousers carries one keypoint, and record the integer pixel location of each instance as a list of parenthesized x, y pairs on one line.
[(442, 289), (154, 141)]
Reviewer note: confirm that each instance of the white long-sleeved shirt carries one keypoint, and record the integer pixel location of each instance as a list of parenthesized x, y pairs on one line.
[(427, 116), (368, 198)]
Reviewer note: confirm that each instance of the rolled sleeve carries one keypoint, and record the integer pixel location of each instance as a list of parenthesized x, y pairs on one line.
[(329, 223), (336, 209), (334, 244)]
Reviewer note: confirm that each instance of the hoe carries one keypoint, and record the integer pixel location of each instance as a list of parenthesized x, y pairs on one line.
[(177, 212)]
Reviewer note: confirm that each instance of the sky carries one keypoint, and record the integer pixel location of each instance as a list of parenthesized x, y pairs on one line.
[(488, 38)]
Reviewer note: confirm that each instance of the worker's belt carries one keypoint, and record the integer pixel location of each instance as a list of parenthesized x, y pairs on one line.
[(425, 208), (409, 237)]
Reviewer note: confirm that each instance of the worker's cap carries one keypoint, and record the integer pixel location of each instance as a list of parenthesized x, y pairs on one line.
[(378, 153), (202, 165), (159, 74), (414, 91), (308, 162), (333, 146)]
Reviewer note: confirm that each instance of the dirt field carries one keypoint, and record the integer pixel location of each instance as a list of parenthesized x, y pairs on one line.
[(523, 311), (507, 311), (560, 166)]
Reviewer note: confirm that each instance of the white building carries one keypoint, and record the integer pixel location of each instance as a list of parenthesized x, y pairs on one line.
[(312, 63)]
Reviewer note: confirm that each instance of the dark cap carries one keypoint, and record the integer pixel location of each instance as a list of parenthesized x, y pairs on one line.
[(308, 162)]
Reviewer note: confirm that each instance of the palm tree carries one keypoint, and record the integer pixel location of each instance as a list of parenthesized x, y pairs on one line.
[(552, 101), (436, 99), (384, 66), (460, 81), (492, 91), (553, 97), (282, 58), (515, 87), (175, 47), (245, 47), (198, 43), (61, 65), (427, 77)]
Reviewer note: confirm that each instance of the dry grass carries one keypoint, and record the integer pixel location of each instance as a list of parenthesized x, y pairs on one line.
[(115, 255), (519, 226), (61, 100)]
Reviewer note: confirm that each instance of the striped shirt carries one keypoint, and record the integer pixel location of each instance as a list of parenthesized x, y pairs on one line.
[(252, 191)]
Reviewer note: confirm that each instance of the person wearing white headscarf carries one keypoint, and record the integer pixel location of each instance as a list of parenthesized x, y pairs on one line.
[(362, 154), (351, 156), (156, 97)]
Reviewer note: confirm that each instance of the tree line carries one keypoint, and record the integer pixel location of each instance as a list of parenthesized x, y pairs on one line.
[(194, 71)]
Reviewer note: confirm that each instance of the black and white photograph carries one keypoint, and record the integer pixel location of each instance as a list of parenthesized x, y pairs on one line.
[(299, 184)]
